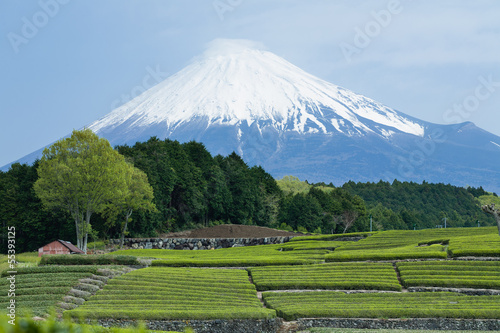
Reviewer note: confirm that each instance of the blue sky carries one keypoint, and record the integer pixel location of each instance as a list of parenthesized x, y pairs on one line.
[(66, 63)]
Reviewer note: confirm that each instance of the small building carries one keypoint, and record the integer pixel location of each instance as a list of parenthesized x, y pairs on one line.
[(59, 247)]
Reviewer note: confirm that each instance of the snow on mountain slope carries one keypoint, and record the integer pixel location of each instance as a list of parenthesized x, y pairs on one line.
[(239, 97), (233, 82)]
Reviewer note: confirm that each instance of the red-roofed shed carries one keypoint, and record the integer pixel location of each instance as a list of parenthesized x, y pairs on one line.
[(59, 247)]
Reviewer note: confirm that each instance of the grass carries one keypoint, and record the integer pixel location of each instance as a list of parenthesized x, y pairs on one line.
[(26, 259), (4, 265), (176, 293)]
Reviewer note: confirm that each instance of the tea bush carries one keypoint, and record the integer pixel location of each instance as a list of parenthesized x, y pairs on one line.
[(292, 306), (176, 293), (375, 276), (454, 274)]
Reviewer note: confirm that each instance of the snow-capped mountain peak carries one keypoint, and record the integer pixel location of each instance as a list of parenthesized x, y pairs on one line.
[(237, 82), (239, 97)]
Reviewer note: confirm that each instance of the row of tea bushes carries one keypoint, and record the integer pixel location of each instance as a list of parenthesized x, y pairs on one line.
[(396, 253), (451, 274), (341, 276), (89, 259), (386, 245), (262, 255), (330, 304), (419, 244), (176, 293), (475, 246), (229, 262), (28, 325), (352, 236), (40, 290)]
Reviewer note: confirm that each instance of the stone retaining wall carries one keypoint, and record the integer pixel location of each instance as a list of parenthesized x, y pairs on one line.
[(466, 291), (404, 324), (273, 325), (203, 326), (196, 243)]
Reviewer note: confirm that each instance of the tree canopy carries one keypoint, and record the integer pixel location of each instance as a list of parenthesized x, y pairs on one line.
[(138, 195), (80, 174), (409, 205)]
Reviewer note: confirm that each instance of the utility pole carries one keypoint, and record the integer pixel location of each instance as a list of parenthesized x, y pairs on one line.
[(371, 217), (444, 222), (478, 223)]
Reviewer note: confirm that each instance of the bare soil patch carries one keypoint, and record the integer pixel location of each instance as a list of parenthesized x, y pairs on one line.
[(231, 231)]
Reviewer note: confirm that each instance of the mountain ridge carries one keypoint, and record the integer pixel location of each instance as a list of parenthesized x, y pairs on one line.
[(236, 97), (249, 85)]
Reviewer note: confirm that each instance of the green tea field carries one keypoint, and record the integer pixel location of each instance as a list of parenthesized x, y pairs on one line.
[(382, 275)]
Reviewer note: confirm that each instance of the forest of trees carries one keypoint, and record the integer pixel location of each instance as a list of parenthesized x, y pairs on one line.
[(408, 205), (193, 189)]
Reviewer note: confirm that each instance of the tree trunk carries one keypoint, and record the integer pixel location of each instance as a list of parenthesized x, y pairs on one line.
[(85, 242), (85, 230), (348, 218), (124, 230), (79, 238), (490, 209)]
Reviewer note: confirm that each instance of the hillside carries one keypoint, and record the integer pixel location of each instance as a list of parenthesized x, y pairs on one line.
[(425, 205)]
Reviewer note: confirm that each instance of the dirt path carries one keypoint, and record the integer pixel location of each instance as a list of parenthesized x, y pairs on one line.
[(398, 275)]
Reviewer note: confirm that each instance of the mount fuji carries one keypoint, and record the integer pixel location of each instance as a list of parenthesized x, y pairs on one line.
[(239, 97)]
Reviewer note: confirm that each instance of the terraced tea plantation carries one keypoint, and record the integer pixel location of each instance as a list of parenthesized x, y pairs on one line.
[(362, 275), (420, 244), (487, 245), (39, 290), (454, 274), (341, 276), (387, 245), (291, 305), (176, 293)]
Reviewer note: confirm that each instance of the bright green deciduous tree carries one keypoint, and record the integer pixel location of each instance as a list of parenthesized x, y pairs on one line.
[(138, 195), (293, 185), (81, 174)]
